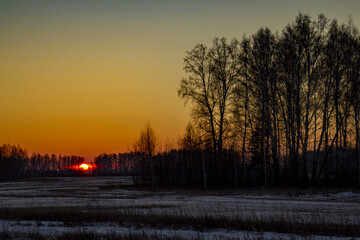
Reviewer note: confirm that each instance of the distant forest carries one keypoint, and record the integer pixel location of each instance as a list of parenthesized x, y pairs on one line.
[(274, 109)]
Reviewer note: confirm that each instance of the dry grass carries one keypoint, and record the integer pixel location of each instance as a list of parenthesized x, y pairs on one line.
[(176, 220), (87, 203), (89, 235)]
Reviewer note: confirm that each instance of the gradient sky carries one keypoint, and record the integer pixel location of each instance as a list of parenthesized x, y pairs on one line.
[(83, 77)]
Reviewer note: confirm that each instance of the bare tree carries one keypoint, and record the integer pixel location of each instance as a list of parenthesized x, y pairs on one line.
[(146, 144), (264, 86), (241, 103), (212, 76), (190, 142)]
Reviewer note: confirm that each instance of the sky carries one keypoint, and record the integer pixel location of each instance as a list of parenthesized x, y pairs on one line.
[(84, 77)]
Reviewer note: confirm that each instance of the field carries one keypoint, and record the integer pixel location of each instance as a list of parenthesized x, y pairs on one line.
[(111, 208)]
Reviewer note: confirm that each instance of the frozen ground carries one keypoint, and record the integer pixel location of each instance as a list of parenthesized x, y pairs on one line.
[(92, 192), (56, 228)]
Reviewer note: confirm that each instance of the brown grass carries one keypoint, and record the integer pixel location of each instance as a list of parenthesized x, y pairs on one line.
[(281, 224), (89, 235)]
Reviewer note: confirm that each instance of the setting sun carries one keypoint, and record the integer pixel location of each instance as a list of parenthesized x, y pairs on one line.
[(84, 167)]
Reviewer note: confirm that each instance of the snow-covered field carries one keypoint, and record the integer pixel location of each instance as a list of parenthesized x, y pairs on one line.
[(106, 192)]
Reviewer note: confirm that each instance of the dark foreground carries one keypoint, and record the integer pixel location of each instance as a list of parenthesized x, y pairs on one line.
[(110, 208)]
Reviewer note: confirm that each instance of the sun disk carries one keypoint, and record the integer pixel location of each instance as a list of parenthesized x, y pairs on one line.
[(84, 167)]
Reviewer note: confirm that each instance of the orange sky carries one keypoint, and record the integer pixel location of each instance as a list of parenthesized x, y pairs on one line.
[(84, 78)]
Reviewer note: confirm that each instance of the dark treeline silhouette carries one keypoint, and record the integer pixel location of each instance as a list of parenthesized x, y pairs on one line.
[(286, 103), (115, 164), (15, 162), (269, 110)]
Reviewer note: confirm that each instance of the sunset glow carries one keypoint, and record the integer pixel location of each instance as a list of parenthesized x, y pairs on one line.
[(84, 77), (84, 167)]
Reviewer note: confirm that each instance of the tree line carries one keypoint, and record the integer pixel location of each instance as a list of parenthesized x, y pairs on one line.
[(15, 162), (286, 102), (274, 109)]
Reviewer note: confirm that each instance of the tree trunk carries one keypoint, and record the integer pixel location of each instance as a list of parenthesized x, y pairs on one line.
[(357, 115), (245, 129), (203, 169), (314, 168)]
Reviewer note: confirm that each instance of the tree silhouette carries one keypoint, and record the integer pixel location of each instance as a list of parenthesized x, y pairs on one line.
[(210, 86), (146, 144)]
